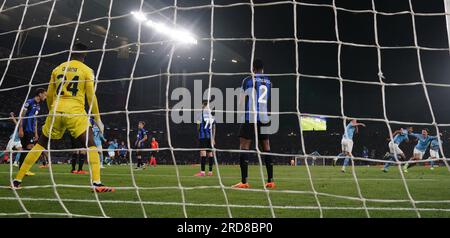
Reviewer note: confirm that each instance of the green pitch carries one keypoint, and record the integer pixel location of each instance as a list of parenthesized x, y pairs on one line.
[(162, 198)]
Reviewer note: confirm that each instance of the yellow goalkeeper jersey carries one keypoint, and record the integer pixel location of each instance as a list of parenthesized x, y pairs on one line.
[(73, 88)]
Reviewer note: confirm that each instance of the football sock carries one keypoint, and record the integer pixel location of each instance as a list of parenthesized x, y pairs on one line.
[(74, 160), (269, 166), (347, 159), (94, 162), (29, 161), (23, 155), (202, 163), (243, 161), (406, 165), (139, 162), (211, 163), (101, 157), (17, 158), (340, 155), (81, 160), (386, 165)]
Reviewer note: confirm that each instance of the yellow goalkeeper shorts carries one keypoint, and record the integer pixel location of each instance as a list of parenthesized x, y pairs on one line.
[(76, 125)]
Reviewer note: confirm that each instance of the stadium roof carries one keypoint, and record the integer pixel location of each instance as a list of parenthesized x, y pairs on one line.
[(123, 29)]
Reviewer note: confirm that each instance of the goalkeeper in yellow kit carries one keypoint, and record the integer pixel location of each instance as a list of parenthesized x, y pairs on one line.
[(70, 83)]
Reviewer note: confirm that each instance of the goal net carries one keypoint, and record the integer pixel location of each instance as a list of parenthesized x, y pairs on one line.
[(382, 63)]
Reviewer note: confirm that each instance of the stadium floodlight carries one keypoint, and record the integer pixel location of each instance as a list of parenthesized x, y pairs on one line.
[(139, 16), (182, 36), (234, 61), (179, 35)]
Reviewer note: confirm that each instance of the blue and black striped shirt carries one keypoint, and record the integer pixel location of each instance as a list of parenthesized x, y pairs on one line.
[(32, 110), (206, 123), (262, 88), (140, 135)]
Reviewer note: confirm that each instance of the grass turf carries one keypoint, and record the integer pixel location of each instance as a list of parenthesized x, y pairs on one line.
[(161, 197)]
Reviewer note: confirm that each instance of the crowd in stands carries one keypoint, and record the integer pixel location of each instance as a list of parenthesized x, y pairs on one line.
[(326, 143)]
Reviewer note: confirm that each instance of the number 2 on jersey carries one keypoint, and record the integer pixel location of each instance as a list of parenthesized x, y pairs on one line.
[(263, 94), (72, 86)]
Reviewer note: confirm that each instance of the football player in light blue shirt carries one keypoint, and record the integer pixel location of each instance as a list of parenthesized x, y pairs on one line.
[(399, 136), (314, 156), (98, 140), (14, 142), (113, 146), (347, 141), (423, 141), (435, 146)]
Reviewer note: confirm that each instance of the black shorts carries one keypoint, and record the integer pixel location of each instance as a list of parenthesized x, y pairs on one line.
[(205, 143), (27, 139), (247, 131), (153, 154)]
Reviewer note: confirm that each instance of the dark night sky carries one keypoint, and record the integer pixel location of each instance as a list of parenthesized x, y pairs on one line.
[(319, 96)]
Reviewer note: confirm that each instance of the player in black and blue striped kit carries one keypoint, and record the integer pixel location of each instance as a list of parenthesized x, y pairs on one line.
[(206, 127), (28, 130), (256, 97), (139, 144)]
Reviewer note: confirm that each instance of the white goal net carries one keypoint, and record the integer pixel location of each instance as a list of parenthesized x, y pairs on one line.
[(382, 63)]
